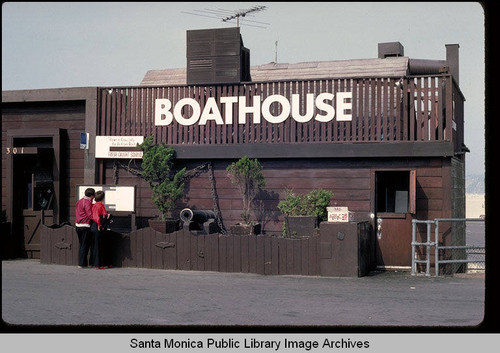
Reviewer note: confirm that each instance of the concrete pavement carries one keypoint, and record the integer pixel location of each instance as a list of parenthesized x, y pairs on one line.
[(40, 294)]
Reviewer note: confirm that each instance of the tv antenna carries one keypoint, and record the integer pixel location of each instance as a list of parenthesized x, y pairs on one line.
[(227, 15)]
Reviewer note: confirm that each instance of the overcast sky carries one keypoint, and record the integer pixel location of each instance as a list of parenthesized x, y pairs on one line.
[(56, 45)]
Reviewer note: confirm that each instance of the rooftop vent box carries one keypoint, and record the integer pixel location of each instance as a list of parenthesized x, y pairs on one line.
[(390, 49), (216, 56)]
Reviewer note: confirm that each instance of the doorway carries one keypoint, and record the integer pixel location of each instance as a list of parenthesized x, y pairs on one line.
[(33, 186), (394, 206)]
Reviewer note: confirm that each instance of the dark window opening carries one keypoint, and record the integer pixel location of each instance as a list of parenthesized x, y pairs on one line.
[(393, 191)]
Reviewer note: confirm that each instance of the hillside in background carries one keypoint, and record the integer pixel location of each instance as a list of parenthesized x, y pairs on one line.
[(474, 184)]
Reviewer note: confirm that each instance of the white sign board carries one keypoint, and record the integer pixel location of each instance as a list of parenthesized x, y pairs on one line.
[(116, 198), (118, 146), (338, 214)]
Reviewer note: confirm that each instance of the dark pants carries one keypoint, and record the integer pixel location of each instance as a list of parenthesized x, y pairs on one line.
[(97, 253), (85, 238)]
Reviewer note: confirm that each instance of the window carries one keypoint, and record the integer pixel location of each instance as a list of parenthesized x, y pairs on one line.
[(395, 191)]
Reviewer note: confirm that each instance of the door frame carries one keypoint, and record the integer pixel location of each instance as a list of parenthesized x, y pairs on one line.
[(55, 135), (412, 209)]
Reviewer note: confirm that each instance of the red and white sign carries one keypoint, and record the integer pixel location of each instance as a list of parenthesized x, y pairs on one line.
[(338, 214)]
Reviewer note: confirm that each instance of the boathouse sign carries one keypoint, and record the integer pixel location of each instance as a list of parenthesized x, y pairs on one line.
[(166, 112)]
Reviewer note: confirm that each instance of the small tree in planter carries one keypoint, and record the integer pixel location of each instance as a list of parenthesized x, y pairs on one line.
[(166, 184), (304, 212), (247, 175)]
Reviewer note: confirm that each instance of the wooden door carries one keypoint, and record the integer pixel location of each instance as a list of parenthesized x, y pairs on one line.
[(32, 222), (393, 240), (395, 202)]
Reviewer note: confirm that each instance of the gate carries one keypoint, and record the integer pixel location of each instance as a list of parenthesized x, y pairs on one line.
[(429, 244)]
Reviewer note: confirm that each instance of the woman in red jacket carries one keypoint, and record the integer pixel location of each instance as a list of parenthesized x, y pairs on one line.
[(98, 210)]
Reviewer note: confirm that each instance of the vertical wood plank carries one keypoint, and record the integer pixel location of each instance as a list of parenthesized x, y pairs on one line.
[(282, 249), (275, 256), (289, 257), (230, 253), (268, 259), (296, 256), (245, 265), (449, 109), (237, 253), (304, 257), (223, 254), (193, 251), (260, 255), (252, 254), (390, 112), (418, 108)]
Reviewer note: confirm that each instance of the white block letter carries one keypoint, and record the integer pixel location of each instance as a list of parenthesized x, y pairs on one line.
[(163, 116), (254, 109), (178, 111), (228, 101), (342, 106), (284, 113), (211, 112), (296, 108), (322, 105)]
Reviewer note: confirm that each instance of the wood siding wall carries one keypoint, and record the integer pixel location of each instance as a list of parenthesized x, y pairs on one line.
[(66, 115), (349, 179), (381, 112)]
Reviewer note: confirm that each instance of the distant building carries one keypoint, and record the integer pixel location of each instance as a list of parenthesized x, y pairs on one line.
[(474, 206)]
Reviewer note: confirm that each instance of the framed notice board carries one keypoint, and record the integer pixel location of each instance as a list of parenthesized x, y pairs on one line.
[(116, 199)]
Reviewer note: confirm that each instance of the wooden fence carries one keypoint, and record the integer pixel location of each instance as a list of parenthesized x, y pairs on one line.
[(426, 108), (182, 250)]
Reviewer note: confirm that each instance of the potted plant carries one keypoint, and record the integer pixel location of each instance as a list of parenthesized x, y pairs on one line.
[(166, 184), (304, 212), (247, 174)]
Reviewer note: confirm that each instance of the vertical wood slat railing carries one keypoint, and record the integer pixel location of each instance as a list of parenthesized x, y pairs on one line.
[(424, 108)]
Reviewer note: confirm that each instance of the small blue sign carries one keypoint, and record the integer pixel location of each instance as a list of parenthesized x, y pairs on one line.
[(84, 141)]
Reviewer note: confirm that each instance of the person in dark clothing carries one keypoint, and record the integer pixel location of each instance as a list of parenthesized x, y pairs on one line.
[(98, 213), (83, 220)]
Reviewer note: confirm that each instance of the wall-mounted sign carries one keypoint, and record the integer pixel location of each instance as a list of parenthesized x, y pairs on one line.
[(338, 214), (116, 198), (118, 146), (84, 140), (166, 112)]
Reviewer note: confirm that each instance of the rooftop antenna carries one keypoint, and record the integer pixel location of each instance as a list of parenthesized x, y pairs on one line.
[(276, 52), (227, 15), (243, 14)]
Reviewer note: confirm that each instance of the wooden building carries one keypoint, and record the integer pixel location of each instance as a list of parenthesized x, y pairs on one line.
[(384, 134)]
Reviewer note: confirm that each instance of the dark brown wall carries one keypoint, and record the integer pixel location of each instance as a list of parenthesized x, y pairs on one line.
[(349, 179), (66, 115)]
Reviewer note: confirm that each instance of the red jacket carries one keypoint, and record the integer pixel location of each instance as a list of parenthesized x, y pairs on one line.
[(98, 210), (83, 211)]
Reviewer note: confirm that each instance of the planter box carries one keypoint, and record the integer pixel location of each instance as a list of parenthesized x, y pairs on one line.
[(301, 226), (243, 229), (167, 226)]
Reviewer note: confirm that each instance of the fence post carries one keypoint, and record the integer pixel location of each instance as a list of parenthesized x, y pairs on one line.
[(413, 246), (428, 263), (436, 254)]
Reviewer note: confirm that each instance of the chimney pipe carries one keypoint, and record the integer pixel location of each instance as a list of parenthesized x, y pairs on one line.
[(452, 59)]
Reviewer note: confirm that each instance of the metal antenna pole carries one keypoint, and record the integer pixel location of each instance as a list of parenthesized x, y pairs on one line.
[(276, 52), (242, 14)]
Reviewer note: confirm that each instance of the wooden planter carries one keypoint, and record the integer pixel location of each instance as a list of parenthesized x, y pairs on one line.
[(165, 227), (301, 226), (244, 229)]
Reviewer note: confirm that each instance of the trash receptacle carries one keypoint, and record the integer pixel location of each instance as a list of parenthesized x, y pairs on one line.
[(346, 249)]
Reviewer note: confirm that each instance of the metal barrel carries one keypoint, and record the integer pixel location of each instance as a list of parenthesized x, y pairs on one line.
[(198, 216)]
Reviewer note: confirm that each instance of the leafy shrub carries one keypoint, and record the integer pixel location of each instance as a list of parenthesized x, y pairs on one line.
[(247, 174), (312, 204), (158, 170)]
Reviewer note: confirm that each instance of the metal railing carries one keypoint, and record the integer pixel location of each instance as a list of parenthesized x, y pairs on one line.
[(437, 247)]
